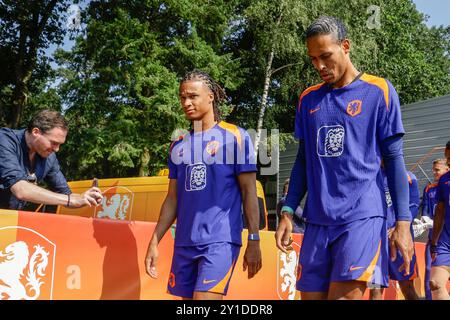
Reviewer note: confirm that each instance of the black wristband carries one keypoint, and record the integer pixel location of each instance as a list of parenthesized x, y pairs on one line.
[(68, 200)]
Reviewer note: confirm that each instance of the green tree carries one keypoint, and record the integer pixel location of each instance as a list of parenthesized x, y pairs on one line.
[(120, 82), (26, 29)]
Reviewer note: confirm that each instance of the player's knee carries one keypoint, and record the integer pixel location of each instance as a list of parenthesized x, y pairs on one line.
[(435, 286)]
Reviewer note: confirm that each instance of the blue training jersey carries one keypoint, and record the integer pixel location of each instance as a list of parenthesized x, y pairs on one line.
[(443, 195), (414, 199), (429, 201), (414, 195), (206, 166), (342, 129)]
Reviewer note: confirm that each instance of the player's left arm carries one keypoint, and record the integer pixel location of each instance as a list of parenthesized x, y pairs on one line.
[(252, 257)]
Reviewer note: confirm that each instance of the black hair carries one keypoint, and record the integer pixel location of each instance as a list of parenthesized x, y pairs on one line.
[(47, 120), (327, 25), (216, 89), (447, 146)]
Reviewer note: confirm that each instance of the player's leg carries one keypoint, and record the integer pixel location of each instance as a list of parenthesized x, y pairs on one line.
[(313, 272), (207, 296), (427, 272), (438, 282), (360, 254), (215, 269), (405, 282), (183, 272), (376, 294), (314, 295), (408, 290), (347, 290)]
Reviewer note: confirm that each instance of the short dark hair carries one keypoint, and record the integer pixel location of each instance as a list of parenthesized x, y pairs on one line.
[(47, 120), (216, 89), (327, 25), (447, 146)]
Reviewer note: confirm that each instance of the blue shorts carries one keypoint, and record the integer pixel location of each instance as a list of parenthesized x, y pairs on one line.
[(204, 268), (442, 250), (354, 251), (394, 274)]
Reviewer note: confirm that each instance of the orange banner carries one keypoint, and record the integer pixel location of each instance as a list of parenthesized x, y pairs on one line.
[(47, 256)]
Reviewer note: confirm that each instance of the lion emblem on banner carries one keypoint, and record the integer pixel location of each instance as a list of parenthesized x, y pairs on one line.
[(17, 268), (115, 205), (287, 273)]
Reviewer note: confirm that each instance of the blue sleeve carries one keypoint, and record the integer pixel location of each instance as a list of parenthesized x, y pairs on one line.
[(389, 122), (11, 170), (298, 128), (297, 184), (414, 196), (245, 160), (55, 178), (391, 150), (425, 204)]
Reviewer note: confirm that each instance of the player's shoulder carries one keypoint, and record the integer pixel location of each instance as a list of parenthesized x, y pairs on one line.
[(238, 132), (445, 178), (178, 140), (430, 186), (311, 90)]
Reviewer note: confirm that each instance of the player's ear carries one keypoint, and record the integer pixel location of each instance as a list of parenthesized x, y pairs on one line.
[(345, 45)]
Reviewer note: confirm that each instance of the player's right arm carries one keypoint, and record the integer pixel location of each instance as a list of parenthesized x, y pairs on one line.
[(167, 217), (439, 218), (296, 192)]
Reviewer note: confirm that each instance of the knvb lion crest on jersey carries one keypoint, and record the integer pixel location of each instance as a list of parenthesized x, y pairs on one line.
[(195, 177), (117, 204), (26, 266), (287, 273), (354, 107), (330, 141)]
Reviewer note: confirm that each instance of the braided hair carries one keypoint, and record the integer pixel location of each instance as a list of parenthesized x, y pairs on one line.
[(216, 89)]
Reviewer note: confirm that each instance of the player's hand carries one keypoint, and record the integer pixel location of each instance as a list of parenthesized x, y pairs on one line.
[(401, 239), (151, 259), (283, 234), (252, 258)]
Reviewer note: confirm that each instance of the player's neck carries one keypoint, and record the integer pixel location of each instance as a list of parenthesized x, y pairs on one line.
[(349, 76), (204, 124)]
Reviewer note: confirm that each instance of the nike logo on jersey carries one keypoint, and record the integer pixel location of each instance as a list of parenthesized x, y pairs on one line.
[(208, 281), (314, 110), (352, 268)]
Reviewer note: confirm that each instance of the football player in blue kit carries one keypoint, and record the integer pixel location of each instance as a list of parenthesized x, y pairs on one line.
[(440, 240), (212, 172), (345, 125)]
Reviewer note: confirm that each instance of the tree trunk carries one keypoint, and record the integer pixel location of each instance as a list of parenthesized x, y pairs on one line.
[(145, 159)]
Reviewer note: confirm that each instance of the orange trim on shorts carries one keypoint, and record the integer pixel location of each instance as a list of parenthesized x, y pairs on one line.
[(368, 273), (220, 287), (380, 83)]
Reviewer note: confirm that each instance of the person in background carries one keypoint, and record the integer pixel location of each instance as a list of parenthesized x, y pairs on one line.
[(429, 203), (440, 239), (27, 158)]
